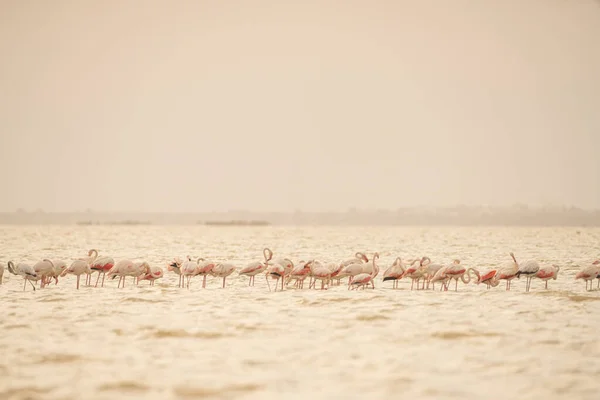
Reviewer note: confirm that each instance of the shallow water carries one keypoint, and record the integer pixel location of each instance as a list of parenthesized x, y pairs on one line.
[(163, 342)]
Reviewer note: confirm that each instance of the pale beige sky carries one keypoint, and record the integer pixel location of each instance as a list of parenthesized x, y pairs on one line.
[(266, 105)]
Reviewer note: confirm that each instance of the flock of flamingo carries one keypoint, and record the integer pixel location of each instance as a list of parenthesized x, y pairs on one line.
[(360, 271)]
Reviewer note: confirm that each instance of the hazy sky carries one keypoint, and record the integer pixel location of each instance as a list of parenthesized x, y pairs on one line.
[(263, 105)]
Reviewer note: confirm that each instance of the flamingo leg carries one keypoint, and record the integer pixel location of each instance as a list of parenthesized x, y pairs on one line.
[(78, 277), (223, 283), (546, 284), (204, 282), (268, 284), (97, 280), (456, 285)]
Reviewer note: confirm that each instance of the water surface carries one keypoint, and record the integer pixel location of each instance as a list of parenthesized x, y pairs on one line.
[(163, 342)]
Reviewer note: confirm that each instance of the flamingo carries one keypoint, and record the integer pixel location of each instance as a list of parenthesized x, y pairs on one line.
[(277, 270), (44, 270), (490, 278), (456, 271), (430, 270), (300, 273), (77, 268), (394, 273), (508, 271), (189, 269), (416, 272), (547, 272), (1, 272), (222, 270), (256, 267), (441, 276), (362, 280), (102, 265), (175, 266), (587, 273), (358, 258), (358, 268), (529, 269), (125, 268), (204, 268), (90, 259), (59, 267), (320, 272), (24, 270), (154, 274)]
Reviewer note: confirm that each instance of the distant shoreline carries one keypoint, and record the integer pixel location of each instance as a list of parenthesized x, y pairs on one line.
[(451, 216)]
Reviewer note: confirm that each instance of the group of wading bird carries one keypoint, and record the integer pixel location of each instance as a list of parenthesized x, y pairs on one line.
[(360, 271)]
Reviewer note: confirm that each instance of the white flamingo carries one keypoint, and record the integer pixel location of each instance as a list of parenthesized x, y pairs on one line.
[(175, 266), (256, 267), (91, 257), (24, 270), (189, 269), (529, 269)]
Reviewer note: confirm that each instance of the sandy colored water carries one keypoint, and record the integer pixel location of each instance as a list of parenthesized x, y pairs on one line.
[(163, 342)]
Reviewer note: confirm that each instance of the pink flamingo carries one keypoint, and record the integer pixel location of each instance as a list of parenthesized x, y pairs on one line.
[(508, 271), (358, 268), (189, 269), (59, 267), (588, 274), (440, 276), (101, 265), (154, 274), (44, 270), (279, 270), (222, 270), (204, 269), (395, 272), (363, 280), (299, 274), (456, 271), (359, 258), (257, 267), (416, 273), (319, 272), (490, 278), (77, 268), (125, 268), (548, 272)]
